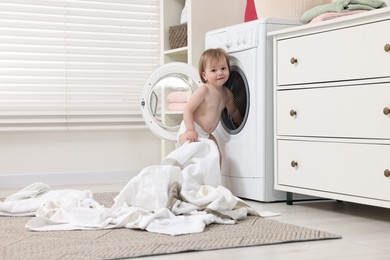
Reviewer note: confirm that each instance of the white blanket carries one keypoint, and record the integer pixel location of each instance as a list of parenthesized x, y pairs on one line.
[(180, 196)]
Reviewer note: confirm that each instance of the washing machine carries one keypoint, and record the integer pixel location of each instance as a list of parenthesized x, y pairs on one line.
[(247, 150)]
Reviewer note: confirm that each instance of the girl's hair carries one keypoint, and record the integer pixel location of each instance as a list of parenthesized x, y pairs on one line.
[(211, 55)]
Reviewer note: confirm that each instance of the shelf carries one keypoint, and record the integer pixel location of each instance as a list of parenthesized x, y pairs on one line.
[(173, 112), (176, 55), (178, 51)]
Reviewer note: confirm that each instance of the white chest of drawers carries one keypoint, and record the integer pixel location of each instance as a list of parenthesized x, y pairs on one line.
[(331, 109)]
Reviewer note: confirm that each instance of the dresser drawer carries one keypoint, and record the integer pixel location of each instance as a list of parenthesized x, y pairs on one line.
[(343, 168), (352, 112), (350, 53)]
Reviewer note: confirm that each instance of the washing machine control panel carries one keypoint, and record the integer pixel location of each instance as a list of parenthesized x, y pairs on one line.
[(233, 39), (240, 40)]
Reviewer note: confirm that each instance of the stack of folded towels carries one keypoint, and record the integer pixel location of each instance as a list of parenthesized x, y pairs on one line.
[(340, 8), (177, 100)]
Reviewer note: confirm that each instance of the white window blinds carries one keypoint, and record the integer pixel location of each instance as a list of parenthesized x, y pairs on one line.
[(75, 64)]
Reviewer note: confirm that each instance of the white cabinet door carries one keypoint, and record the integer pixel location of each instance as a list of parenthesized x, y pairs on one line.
[(343, 168), (341, 54), (350, 112)]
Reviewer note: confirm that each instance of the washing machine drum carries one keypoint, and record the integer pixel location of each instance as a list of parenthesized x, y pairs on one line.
[(238, 84)]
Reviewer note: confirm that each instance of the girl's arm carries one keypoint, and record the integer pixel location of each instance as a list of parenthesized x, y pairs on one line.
[(234, 113), (188, 115)]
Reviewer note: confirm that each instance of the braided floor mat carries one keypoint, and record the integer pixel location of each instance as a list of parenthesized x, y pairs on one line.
[(17, 242)]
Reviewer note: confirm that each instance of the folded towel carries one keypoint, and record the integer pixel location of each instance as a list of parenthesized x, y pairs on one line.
[(333, 15), (177, 97), (340, 6), (176, 106), (371, 3), (359, 7)]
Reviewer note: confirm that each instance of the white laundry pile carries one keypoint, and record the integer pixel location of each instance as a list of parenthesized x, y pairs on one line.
[(28, 200), (180, 196)]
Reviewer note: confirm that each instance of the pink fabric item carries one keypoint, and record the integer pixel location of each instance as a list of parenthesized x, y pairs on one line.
[(333, 15), (177, 97), (176, 106), (250, 11)]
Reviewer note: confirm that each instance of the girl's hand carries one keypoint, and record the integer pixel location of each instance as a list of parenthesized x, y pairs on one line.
[(191, 136)]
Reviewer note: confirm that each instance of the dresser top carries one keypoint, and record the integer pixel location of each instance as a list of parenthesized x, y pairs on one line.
[(341, 22)]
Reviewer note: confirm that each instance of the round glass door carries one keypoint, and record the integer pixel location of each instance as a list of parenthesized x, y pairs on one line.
[(165, 94), (238, 84)]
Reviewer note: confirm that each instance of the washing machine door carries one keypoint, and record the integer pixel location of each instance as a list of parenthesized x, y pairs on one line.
[(164, 96)]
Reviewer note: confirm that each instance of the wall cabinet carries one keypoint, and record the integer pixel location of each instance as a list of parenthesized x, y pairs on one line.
[(332, 109)]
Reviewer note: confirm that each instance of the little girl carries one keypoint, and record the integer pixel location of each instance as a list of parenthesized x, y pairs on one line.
[(203, 111)]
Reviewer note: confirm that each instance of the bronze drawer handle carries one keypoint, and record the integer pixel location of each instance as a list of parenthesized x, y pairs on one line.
[(387, 47), (387, 173), (293, 60), (386, 111), (293, 112), (294, 164)]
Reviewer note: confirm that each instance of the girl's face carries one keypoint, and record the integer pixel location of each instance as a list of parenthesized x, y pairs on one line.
[(216, 72)]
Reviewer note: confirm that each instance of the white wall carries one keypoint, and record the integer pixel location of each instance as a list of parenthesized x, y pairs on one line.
[(75, 157), (286, 8), (78, 157)]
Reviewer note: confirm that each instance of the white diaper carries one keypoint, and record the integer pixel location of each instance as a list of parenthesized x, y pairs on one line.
[(198, 129)]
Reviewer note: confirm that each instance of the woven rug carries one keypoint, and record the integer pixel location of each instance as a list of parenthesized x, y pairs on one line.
[(17, 242)]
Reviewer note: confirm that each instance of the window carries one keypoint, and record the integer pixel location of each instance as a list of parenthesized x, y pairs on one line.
[(75, 64)]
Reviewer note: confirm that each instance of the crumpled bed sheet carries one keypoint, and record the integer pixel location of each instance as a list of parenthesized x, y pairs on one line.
[(182, 195)]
